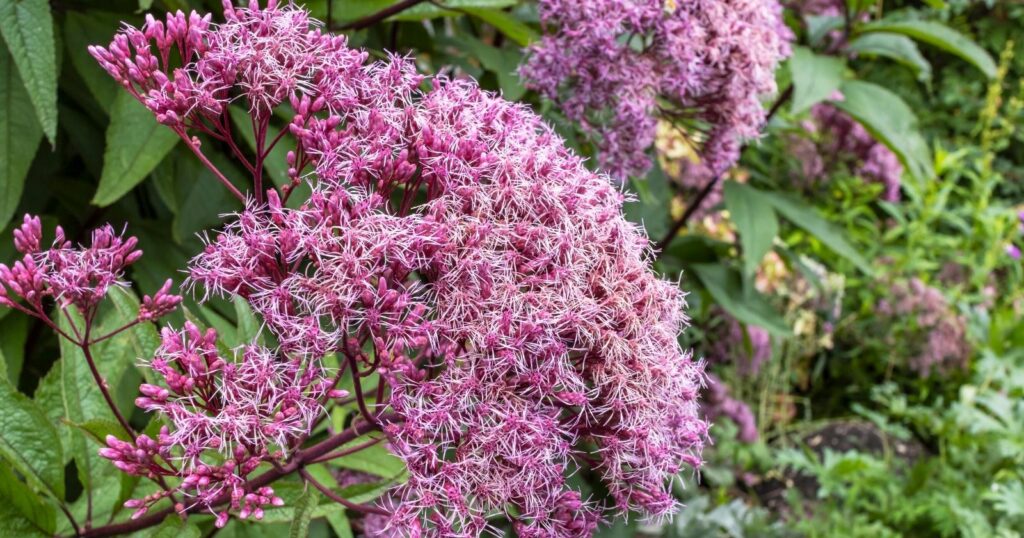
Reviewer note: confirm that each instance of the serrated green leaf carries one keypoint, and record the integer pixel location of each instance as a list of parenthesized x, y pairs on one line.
[(27, 28), (20, 136), (740, 299), (941, 36), (173, 527), (896, 47), (82, 398), (136, 143), (29, 442), (815, 77), (807, 217), (755, 221), (890, 120), (21, 502), (304, 512)]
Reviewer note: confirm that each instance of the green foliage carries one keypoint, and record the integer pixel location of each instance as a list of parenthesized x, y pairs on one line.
[(807, 260)]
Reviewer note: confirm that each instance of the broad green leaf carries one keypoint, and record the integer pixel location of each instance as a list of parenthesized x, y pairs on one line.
[(81, 31), (890, 120), (896, 47), (745, 303), (815, 77), (29, 442), (941, 36), (340, 525), (651, 208), (82, 398), (807, 217), (514, 29), (173, 527), (502, 62), (136, 143), (21, 502), (27, 28), (99, 428), (304, 508), (375, 460), (12, 346), (20, 135), (819, 26), (755, 221)]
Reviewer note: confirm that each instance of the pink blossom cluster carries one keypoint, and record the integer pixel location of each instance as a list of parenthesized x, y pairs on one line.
[(78, 276), (840, 140), (615, 66), (228, 415), (941, 340), (454, 246)]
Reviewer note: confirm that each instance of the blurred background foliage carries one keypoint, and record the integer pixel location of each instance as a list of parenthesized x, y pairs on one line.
[(876, 342)]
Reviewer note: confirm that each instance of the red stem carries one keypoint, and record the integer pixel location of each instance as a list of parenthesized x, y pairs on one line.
[(365, 508), (206, 162)]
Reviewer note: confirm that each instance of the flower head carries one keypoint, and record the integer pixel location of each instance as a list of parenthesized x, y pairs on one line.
[(615, 66)]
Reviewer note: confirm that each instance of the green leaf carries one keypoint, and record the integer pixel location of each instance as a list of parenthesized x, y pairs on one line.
[(745, 303), (340, 525), (173, 527), (22, 512), (99, 428), (806, 217), (27, 28), (29, 442), (82, 398), (891, 121), (755, 221), (451, 8), (248, 323), (815, 77), (304, 512), (375, 460), (899, 48), (20, 136), (941, 36), (512, 27), (502, 62), (136, 143), (12, 346), (651, 208), (81, 31)]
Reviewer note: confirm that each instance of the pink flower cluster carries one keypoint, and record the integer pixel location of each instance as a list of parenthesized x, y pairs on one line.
[(453, 245), (843, 141), (72, 275), (615, 66), (941, 344), (228, 416)]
